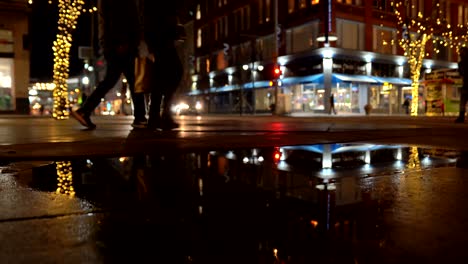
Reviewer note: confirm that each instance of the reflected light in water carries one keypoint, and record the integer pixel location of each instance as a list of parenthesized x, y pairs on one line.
[(64, 178), (200, 209), (314, 223), (413, 161), (327, 173), (399, 154)]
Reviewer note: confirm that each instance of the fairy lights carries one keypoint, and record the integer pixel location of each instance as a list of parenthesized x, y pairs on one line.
[(69, 12), (416, 32), (64, 178)]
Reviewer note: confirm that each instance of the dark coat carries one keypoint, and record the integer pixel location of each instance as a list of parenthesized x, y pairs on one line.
[(463, 67), (119, 25), (160, 22)]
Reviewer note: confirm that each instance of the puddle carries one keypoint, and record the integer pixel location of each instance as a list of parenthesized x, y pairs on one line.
[(330, 203)]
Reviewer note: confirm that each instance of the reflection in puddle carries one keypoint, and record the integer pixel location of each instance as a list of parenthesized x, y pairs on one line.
[(414, 162), (64, 178), (295, 204)]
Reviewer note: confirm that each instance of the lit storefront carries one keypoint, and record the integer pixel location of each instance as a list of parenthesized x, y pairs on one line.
[(14, 58), (6, 94)]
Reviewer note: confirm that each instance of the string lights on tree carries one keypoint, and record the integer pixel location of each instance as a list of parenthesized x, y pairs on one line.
[(416, 32), (68, 13)]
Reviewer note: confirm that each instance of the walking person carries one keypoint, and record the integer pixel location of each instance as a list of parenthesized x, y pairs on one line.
[(332, 104), (463, 69), (406, 105), (161, 31), (119, 40)]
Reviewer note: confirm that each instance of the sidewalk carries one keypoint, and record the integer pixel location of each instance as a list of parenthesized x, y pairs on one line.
[(27, 137)]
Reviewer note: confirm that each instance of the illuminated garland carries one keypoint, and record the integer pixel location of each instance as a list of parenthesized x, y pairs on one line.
[(69, 11), (64, 178), (417, 32)]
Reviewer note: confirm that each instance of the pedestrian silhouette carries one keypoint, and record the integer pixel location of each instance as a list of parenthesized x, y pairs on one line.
[(332, 104), (463, 69), (161, 31), (119, 39), (406, 105)]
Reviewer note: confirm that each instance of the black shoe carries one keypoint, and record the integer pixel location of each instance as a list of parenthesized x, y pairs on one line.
[(83, 118), (153, 125), (140, 124), (169, 125)]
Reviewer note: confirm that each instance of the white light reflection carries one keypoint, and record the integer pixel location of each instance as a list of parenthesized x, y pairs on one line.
[(367, 167), (200, 186), (327, 157), (282, 165), (230, 155), (245, 160), (399, 154), (260, 159), (427, 161), (367, 158), (200, 209), (327, 173)]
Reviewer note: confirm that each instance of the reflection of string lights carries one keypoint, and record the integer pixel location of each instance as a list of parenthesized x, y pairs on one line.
[(65, 181), (413, 161)]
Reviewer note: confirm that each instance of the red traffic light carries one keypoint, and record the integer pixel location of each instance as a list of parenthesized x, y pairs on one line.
[(276, 155), (277, 71)]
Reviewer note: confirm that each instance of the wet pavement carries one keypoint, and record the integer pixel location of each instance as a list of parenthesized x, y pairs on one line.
[(383, 190), (375, 204)]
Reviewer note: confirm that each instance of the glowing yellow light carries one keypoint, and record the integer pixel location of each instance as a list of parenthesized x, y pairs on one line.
[(64, 178), (69, 11)]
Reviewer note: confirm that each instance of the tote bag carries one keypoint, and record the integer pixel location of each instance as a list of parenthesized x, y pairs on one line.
[(143, 69)]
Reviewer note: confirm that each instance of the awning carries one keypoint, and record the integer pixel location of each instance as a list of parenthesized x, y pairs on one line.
[(258, 84), (338, 77), (392, 80)]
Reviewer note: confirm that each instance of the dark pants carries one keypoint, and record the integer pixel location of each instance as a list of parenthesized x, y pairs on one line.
[(117, 63), (167, 75), (463, 99)]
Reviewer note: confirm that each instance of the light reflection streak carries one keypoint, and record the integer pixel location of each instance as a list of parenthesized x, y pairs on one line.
[(64, 178)]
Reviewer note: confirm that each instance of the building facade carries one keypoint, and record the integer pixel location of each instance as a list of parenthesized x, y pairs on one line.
[(14, 57), (345, 48)]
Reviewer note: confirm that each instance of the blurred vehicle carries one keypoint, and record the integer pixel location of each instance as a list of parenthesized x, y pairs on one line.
[(183, 108)]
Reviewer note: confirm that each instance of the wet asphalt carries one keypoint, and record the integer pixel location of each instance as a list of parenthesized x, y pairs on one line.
[(116, 195)]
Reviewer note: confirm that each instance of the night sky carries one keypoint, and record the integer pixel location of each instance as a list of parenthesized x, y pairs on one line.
[(43, 29)]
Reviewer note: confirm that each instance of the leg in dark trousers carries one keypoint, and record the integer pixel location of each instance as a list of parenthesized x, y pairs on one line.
[(463, 101), (168, 74), (115, 66)]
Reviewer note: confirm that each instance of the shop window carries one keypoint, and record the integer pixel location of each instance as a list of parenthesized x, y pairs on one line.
[(6, 66), (302, 4), (350, 34), (6, 41), (384, 40), (291, 6), (302, 38)]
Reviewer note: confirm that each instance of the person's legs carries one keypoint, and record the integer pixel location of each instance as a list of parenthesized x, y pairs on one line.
[(138, 99), (115, 66), (463, 101), (154, 113), (173, 77), (168, 72)]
